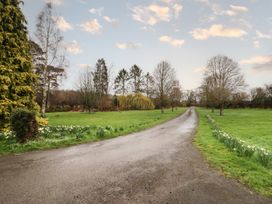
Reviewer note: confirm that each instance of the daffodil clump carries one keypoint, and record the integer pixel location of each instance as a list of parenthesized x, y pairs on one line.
[(241, 147)]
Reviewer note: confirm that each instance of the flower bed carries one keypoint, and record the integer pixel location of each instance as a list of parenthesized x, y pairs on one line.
[(241, 147)]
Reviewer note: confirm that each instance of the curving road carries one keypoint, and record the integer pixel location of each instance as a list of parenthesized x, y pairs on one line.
[(158, 165)]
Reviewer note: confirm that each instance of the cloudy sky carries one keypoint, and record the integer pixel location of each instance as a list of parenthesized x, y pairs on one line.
[(184, 32)]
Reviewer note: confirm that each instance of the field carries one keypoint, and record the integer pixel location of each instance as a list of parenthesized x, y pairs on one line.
[(252, 126), (68, 128)]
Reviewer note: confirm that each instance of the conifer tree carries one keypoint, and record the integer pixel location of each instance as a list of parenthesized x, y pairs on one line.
[(101, 81), (136, 77), (16, 77), (120, 82)]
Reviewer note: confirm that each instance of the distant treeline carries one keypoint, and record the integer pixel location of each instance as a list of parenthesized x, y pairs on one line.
[(260, 97), (72, 100)]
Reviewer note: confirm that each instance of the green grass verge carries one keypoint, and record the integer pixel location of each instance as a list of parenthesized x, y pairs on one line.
[(254, 126), (247, 171), (123, 123)]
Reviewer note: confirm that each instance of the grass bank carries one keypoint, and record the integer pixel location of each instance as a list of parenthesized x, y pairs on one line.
[(251, 125), (69, 128)]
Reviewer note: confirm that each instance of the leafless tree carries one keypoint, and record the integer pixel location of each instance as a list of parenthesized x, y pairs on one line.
[(224, 78), (148, 85), (206, 93), (164, 76), (87, 90), (175, 94), (49, 40)]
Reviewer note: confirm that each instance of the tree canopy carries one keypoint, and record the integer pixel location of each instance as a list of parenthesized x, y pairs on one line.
[(16, 76)]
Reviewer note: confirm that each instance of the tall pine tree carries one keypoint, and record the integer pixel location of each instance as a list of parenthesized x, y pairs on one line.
[(101, 80), (16, 77)]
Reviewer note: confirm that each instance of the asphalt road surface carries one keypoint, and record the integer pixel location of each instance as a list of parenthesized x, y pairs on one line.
[(159, 165)]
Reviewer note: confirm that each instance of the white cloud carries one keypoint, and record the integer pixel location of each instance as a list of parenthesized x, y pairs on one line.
[(217, 10), (258, 60), (110, 20), (55, 2), (73, 47), (233, 10), (151, 14), (92, 26), (84, 65), (172, 41), (97, 11), (217, 30), (260, 35), (62, 24), (155, 13), (239, 8), (129, 45), (259, 63)]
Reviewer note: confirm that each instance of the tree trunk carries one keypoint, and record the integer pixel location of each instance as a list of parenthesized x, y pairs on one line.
[(221, 110), (44, 95), (172, 108), (212, 109), (162, 111)]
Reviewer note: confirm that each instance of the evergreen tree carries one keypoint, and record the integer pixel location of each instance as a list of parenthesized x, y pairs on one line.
[(101, 81), (136, 79), (16, 77), (120, 82)]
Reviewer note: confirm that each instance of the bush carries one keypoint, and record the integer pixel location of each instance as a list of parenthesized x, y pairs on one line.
[(135, 102), (24, 124), (42, 121)]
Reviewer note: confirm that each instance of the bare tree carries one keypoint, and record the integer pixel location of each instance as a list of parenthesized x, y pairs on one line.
[(225, 78), (207, 93), (52, 54), (175, 94), (148, 84), (87, 90), (164, 76)]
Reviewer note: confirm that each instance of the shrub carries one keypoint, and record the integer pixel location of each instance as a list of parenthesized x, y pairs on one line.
[(135, 102), (24, 124), (42, 121)]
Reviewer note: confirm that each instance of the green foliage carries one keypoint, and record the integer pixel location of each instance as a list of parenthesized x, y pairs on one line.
[(24, 124), (16, 81), (120, 82), (136, 78), (135, 102), (101, 79)]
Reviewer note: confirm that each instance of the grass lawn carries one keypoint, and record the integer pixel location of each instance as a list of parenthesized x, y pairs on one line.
[(101, 125), (251, 125)]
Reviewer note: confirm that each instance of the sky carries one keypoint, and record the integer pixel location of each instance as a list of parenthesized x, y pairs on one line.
[(186, 33)]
